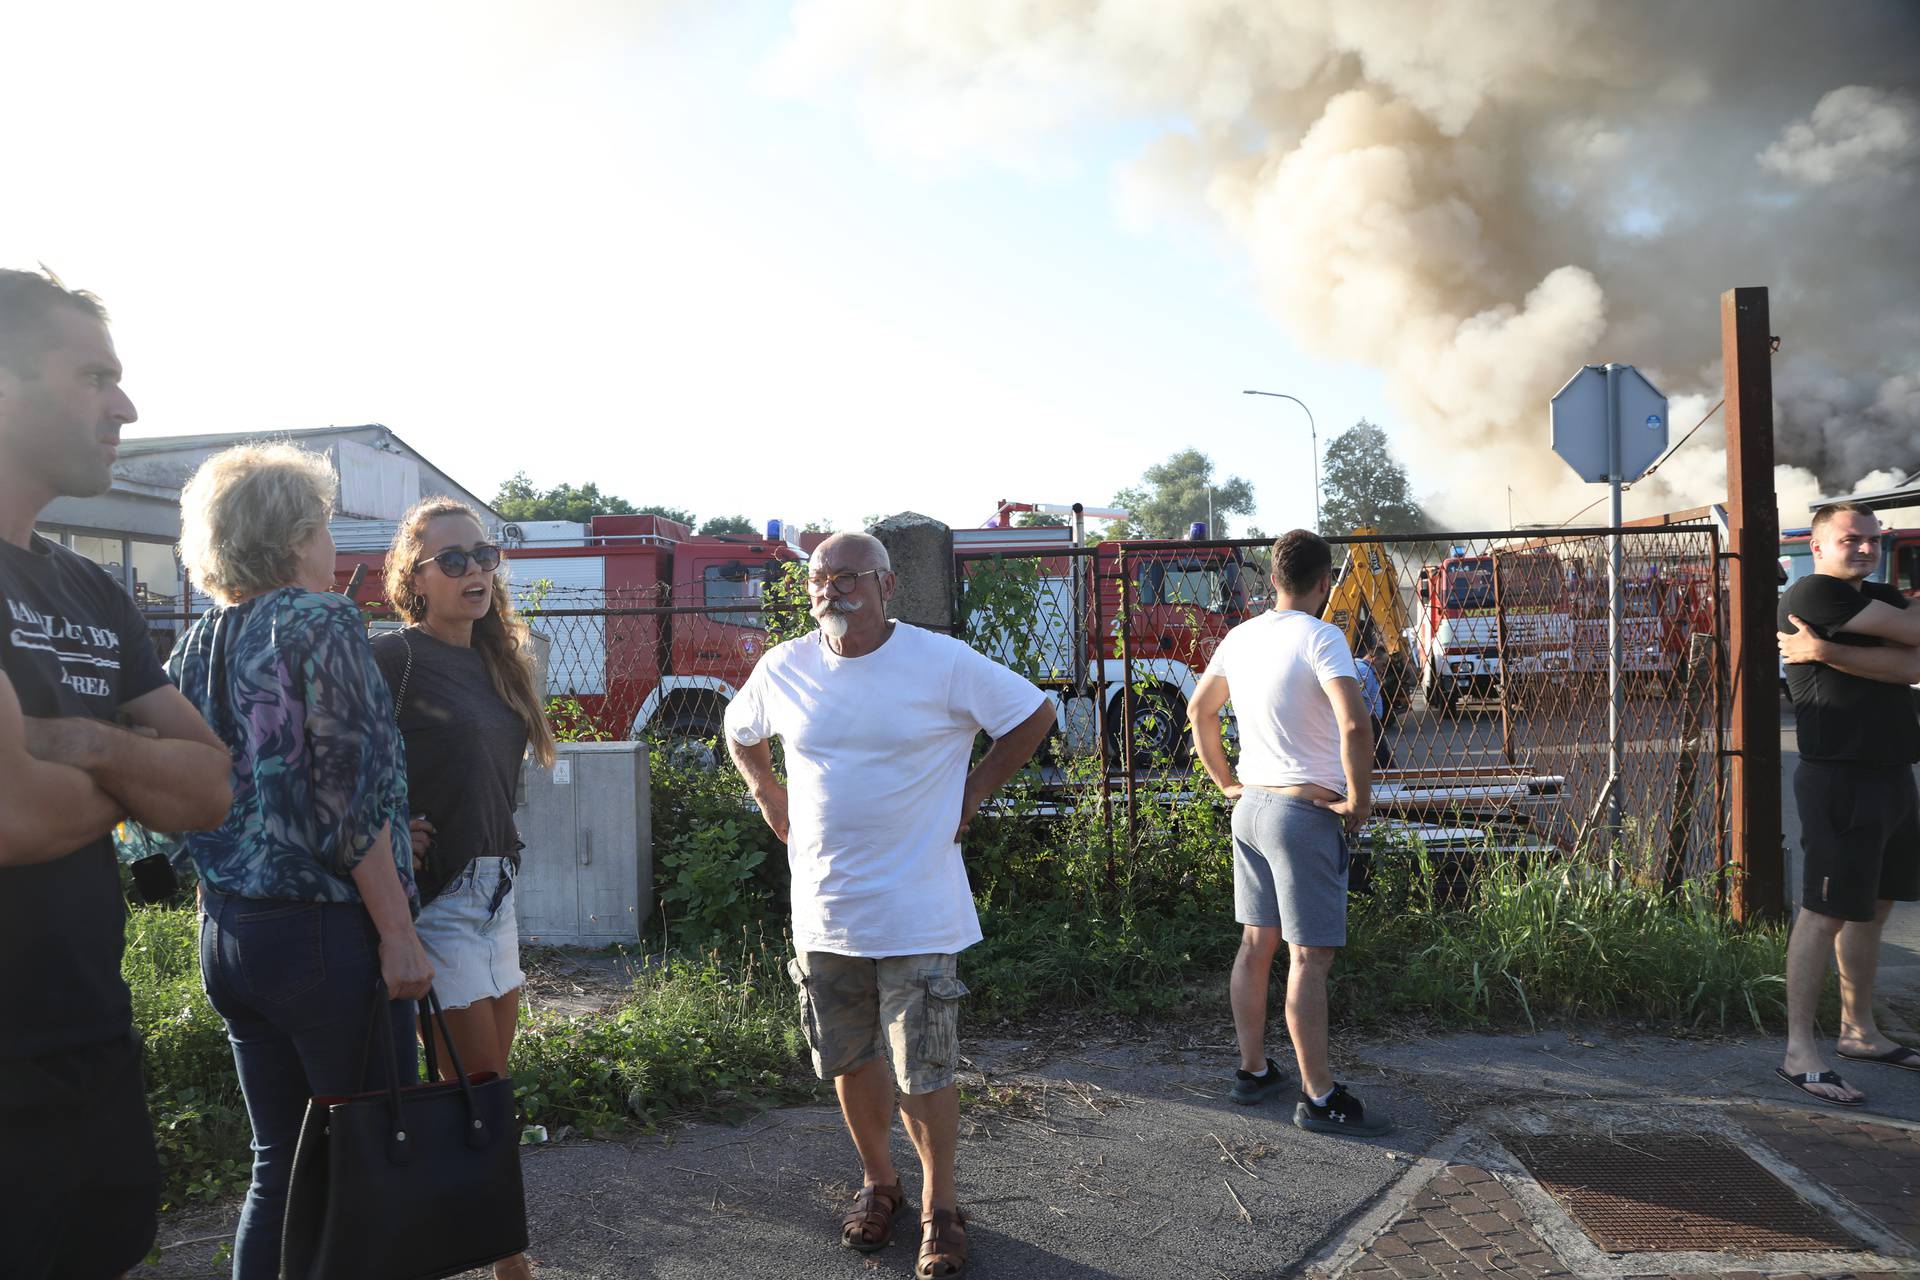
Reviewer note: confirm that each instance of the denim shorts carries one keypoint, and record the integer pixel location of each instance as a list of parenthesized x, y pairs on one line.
[(1290, 860), (472, 935), (856, 1008)]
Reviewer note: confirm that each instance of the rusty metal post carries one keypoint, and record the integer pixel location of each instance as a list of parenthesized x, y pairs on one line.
[(1125, 621), (1098, 668), (1693, 694), (1722, 825), (1506, 668), (1756, 858)]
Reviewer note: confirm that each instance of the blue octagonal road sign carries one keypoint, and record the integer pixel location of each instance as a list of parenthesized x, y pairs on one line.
[(1580, 424)]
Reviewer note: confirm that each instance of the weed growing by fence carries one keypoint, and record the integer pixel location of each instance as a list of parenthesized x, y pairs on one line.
[(720, 869), (697, 1035), (192, 1091), (1531, 937)]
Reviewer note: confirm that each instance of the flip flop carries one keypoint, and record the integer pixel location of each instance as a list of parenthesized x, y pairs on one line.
[(1899, 1056), (1801, 1082)]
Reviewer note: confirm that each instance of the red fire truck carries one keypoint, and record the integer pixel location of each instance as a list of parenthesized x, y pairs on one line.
[(1660, 611), (1180, 599), (1458, 637), (672, 669)]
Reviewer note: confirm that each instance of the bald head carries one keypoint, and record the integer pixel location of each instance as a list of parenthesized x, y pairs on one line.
[(855, 551)]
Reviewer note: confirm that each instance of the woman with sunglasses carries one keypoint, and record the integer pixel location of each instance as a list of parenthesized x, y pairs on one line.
[(462, 676)]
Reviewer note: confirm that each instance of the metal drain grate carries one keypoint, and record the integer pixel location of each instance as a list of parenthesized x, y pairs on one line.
[(1655, 1193)]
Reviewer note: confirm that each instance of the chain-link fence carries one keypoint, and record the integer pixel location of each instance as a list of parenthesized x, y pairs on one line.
[(1491, 652)]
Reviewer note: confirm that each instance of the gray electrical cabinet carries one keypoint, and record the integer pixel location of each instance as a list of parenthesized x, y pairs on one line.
[(586, 874)]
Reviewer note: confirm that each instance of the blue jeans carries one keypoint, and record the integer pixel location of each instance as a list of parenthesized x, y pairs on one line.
[(294, 981)]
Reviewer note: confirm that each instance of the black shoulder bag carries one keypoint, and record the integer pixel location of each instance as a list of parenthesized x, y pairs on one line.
[(410, 1183)]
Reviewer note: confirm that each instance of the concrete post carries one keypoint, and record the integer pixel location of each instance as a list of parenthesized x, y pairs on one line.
[(922, 552)]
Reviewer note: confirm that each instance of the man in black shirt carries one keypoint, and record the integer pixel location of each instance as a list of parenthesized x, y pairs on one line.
[(1850, 646), (76, 1147)]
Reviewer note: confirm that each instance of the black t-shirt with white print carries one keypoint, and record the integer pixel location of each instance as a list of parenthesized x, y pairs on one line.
[(73, 644)]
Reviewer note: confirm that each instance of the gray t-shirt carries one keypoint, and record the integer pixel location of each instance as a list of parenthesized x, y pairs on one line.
[(464, 748)]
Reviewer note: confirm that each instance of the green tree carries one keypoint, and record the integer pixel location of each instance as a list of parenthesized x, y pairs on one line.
[(519, 500), (681, 514), (1176, 493), (1364, 484), (1040, 520), (728, 524)]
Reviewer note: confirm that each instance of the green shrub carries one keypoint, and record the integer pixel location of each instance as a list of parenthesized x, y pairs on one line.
[(721, 871), (193, 1093), (708, 873)]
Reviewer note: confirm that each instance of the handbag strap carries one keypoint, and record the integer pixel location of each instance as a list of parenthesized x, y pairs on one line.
[(406, 674), (380, 1025)]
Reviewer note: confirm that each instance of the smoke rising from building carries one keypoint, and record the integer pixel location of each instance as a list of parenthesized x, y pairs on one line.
[(1479, 196)]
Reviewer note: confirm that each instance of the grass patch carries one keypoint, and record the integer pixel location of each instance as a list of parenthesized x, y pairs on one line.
[(193, 1094), (1530, 940), (696, 1036)]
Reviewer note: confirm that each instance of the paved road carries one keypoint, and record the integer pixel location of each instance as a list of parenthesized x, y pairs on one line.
[(1106, 1160)]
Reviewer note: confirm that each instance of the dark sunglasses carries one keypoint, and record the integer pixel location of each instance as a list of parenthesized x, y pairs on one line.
[(453, 561)]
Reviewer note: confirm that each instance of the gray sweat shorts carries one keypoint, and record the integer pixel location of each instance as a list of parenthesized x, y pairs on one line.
[(1290, 862)]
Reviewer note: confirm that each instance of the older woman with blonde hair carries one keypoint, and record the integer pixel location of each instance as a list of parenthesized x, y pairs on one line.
[(306, 890)]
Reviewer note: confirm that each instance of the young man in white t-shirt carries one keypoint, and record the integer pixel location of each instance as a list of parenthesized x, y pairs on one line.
[(1303, 790), (878, 719)]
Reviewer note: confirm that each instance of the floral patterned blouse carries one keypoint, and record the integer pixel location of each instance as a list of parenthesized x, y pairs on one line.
[(288, 682)]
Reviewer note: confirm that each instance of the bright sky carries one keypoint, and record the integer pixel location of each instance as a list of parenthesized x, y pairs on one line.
[(605, 245)]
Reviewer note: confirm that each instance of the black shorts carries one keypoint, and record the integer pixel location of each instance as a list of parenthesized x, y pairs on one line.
[(82, 1182), (1860, 830)]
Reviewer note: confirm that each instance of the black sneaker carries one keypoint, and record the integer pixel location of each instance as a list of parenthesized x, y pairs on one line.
[(1343, 1116), (1249, 1088)]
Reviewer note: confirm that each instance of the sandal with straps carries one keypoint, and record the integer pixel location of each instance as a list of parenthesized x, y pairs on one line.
[(869, 1224), (943, 1244)]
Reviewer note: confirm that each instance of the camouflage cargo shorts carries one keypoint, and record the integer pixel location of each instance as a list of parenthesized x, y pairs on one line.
[(855, 1008)]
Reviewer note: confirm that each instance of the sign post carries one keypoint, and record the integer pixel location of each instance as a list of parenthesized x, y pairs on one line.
[(1610, 424)]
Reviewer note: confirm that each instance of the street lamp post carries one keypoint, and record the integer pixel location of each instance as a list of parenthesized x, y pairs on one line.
[(1313, 434)]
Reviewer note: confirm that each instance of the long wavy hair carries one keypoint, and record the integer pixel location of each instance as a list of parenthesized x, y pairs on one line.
[(502, 637)]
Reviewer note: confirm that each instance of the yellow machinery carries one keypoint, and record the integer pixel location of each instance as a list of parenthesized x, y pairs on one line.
[(1366, 604)]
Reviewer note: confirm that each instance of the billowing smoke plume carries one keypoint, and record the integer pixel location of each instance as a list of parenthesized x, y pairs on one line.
[(1479, 196)]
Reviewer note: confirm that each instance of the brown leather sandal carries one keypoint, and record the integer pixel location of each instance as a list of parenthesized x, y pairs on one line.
[(943, 1244), (869, 1224)]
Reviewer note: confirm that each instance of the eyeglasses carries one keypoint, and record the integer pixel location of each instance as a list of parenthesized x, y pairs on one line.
[(842, 583), (453, 561)]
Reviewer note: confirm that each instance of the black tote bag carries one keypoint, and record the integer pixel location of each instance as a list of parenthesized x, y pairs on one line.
[(410, 1183)]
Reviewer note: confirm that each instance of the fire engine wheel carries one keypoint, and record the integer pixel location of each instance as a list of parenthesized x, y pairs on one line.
[(694, 742), (1159, 729), (1443, 697)]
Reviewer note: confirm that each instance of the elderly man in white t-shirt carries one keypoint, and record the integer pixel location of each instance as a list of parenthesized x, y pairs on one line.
[(878, 719), (1302, 791)]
